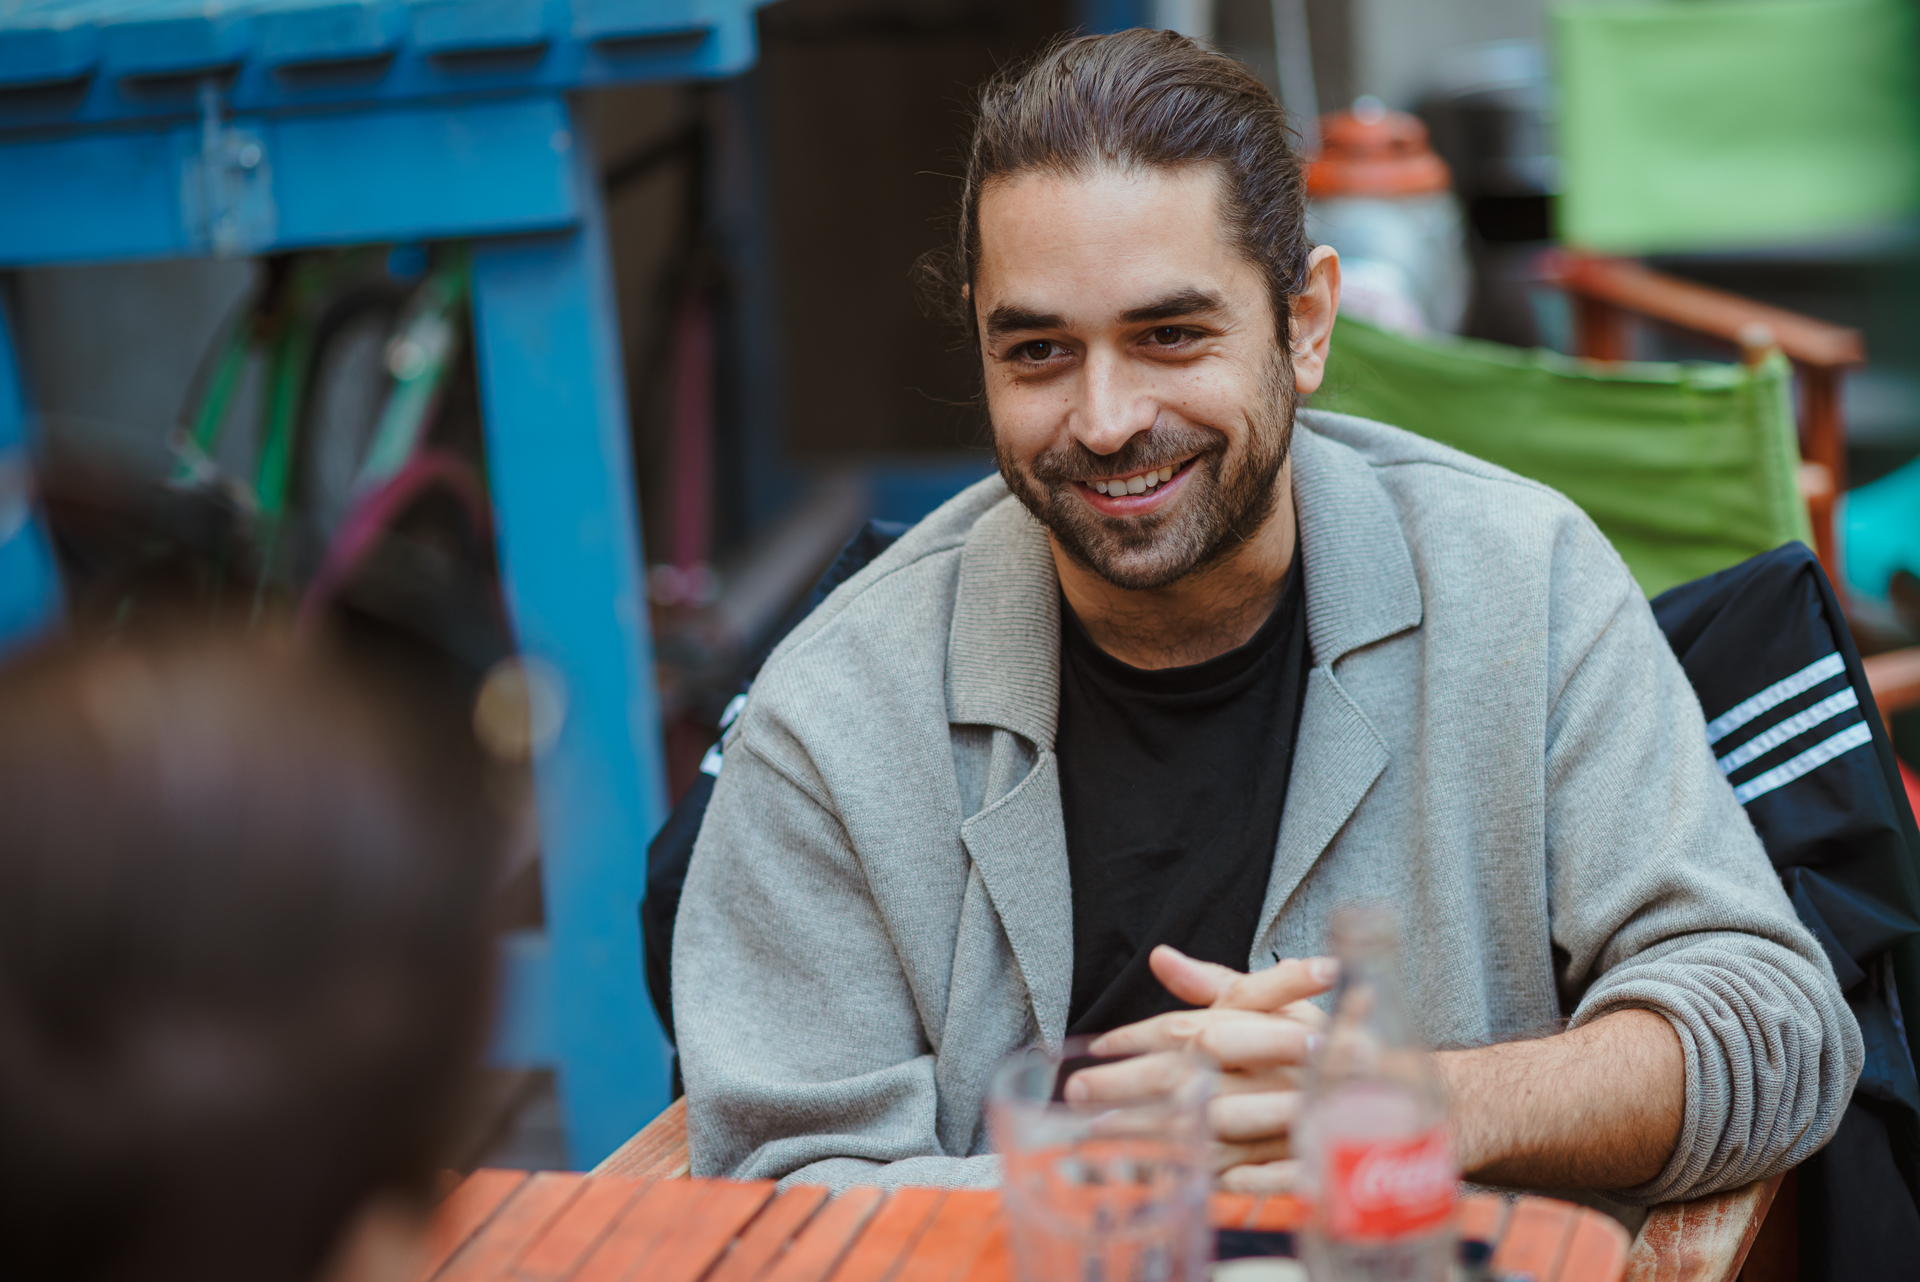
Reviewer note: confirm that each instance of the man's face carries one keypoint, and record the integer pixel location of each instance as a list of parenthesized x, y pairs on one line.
[(1141, 398)]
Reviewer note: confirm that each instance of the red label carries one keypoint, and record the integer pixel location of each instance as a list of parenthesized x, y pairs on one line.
[(1390, 1188)]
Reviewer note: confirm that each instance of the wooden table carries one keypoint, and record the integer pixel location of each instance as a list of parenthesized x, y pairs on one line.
[(560, 1227)]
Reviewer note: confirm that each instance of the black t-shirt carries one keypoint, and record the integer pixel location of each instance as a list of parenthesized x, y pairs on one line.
[(1172, 782)]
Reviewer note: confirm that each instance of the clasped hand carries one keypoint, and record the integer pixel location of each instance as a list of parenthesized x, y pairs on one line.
[(1259, 1028)]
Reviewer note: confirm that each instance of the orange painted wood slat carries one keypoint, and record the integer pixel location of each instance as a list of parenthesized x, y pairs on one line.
[(465, 1210), (690, 1250), (1537, 1230), (571, 1237), (1232, 1210), (1280, 1213), (826, 1238), (995, 1261), (1479, 1217), (657, 1151), (769, 1234), (890, 1235), (526, 1214), (1596, 1250), (952, 1239), (1705, 1240), (653, 1218)]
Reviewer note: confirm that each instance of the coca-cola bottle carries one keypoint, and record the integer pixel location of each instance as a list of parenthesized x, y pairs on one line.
[(1376, 1157)]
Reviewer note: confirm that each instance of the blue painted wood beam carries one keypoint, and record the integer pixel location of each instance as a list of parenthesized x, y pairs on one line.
[(111, 61), (1112, 15), (560, 468), (30, 597), (423, 172)]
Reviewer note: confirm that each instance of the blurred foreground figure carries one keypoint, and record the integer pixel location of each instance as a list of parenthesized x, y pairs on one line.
[(242, 964)]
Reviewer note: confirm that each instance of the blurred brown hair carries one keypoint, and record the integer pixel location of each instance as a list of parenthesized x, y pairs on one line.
[(243, 958), (1136, 99)]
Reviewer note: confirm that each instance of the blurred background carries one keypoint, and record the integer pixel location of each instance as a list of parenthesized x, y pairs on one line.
[(257, 361)]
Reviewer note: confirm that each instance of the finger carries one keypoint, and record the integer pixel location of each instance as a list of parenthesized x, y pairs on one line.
[(1188, 978), (1306, 1012), (1131, 1079), (1171, 1031), (1259, 1042), (1274, 988), (1254, 1118), (1253, 1081), (1264, 1177), (1227, 1156)]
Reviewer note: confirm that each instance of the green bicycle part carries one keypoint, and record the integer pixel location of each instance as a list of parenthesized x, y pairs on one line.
[(202, 440), (420, 358)]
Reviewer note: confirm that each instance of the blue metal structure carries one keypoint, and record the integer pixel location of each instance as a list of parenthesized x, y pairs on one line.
[(165, 128)]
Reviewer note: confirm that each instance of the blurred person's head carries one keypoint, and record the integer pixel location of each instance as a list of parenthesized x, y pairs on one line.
[(242, 960), (1133, 264)]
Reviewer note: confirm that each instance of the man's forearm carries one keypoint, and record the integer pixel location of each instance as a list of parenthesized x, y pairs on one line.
[(1596, 1107)]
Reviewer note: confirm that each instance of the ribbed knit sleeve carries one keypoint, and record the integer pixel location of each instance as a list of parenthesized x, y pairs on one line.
[(1663, 898)]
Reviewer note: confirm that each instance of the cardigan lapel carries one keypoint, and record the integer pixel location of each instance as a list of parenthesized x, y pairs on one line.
[(1003, 669), (1019, 844), (1003, 656), (1360, 589)]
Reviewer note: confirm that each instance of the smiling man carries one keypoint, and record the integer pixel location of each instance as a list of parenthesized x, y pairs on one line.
[(1106, 733)]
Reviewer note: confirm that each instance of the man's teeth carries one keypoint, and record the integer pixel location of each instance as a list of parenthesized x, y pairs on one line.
[(1135, 484)]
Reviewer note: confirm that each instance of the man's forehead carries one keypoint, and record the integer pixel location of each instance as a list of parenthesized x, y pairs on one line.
[(1110, 244)]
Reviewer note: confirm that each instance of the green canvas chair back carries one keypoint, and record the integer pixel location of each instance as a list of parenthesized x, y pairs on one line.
[(1720, 123), (1688, 469)]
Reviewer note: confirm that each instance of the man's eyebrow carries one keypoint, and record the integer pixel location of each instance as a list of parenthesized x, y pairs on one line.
[(1009, 319), (1185, 302)]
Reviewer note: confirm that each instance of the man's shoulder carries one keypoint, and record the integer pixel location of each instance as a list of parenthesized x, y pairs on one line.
[(915, 575), (884, 628), (1482, 539), (1424, 469), (1446, 499)]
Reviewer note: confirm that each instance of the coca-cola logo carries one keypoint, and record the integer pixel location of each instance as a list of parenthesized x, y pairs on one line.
[(1393, 1176), (1391, 1188)]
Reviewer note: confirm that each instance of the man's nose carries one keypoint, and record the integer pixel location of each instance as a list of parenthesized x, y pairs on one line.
[(1115, 406)]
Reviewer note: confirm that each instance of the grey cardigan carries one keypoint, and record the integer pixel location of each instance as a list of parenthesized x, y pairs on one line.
[(1495, 738)]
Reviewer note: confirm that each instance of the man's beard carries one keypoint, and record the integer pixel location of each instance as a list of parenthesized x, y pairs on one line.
[(1227, 497)]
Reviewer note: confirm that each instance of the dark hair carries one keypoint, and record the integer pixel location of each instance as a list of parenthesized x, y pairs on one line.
[(243, 957), (1138, 99)]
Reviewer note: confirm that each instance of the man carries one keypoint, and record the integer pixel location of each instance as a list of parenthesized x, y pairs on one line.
[(1136, 715)]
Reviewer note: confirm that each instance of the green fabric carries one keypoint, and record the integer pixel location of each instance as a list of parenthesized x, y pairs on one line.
[(1702, 123), (1686, 468)]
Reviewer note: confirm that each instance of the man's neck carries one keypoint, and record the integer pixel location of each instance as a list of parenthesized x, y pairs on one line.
[(1195, 618)]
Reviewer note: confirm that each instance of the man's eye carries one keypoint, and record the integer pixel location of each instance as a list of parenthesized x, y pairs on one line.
[(1038, 350), (1169, 336)]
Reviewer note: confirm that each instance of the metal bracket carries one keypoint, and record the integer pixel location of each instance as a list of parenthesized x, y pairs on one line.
[(226, 187)]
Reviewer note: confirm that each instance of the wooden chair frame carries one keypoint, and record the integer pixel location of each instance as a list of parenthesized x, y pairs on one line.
[(1609, 293)]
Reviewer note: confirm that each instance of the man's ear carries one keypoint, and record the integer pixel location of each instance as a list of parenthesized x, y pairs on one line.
[(1312, 315)]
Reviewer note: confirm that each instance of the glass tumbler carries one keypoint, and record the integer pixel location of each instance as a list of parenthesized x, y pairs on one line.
[(1114, 1191)]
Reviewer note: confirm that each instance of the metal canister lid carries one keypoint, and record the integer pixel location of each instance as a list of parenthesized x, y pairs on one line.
[(1371, 151)]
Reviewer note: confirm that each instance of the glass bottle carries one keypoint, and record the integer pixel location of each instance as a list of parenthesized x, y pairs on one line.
[(1376, 1154)]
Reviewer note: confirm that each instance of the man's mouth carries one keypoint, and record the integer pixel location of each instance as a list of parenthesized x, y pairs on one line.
[(1140, 487)]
